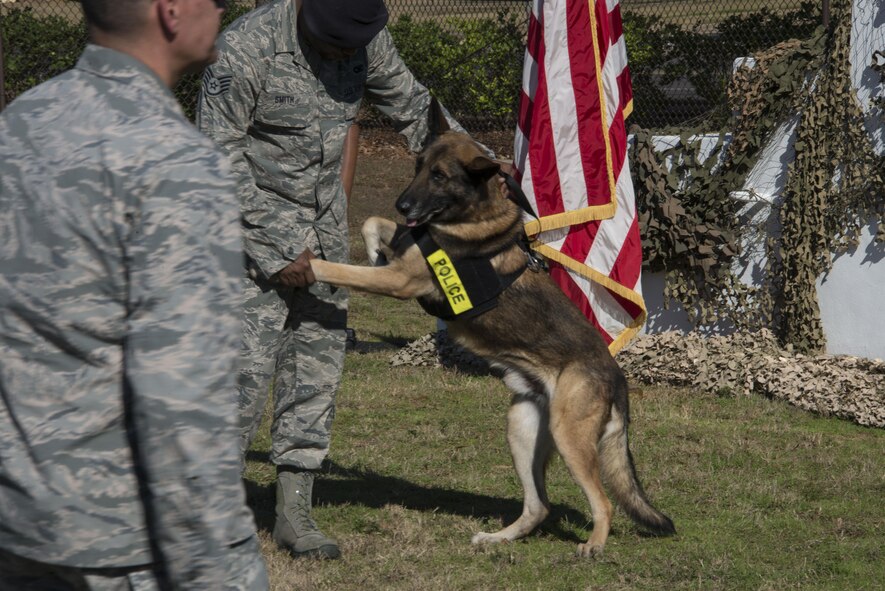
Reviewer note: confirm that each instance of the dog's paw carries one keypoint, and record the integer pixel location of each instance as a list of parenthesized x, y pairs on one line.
[(484, 538), (589, 550)]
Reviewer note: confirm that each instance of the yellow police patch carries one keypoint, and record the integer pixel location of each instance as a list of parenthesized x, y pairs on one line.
[(449, 281)]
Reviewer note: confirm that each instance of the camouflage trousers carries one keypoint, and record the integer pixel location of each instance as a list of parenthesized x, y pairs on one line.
[(293, 340), (245, 571)]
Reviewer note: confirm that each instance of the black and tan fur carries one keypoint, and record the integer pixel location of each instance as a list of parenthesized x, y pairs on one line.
[(568, 392)]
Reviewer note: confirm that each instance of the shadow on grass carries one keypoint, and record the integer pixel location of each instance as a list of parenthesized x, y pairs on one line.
[(349, 486), (383, 343)]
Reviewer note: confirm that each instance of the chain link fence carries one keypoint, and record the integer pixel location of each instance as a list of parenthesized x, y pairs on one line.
[(470, 52)]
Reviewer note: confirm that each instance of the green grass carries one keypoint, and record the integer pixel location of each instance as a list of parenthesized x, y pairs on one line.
[(764, 496)]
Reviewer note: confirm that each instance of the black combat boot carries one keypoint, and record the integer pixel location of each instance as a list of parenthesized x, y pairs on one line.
[(294, 529)]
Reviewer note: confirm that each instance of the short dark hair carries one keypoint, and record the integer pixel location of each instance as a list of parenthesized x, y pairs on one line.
[(114, 16)]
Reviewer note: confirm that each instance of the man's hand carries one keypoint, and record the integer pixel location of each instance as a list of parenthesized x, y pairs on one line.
[(297, 273)]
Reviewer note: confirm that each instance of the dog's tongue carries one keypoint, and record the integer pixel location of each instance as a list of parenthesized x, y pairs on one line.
[(411, 223)]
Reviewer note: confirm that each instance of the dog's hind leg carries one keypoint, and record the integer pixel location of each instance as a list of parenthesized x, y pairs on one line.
[(530, 445), (578, 414)]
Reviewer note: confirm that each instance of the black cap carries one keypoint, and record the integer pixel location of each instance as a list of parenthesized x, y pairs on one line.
[(350, 24)]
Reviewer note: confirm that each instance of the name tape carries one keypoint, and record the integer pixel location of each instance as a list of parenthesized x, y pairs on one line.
[(449, 281)]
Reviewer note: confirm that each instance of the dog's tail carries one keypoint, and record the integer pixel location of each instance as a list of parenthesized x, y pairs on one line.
[(620, 474)]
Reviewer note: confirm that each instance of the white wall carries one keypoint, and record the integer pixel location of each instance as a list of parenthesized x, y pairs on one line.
[(852, 301)]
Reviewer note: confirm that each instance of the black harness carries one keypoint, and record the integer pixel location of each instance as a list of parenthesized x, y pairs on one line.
[(470, 284)]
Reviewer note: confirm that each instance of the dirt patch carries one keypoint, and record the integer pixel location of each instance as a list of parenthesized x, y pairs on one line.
[(385, 142)]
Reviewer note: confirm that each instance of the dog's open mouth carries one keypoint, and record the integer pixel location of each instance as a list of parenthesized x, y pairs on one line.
[(420, 220)]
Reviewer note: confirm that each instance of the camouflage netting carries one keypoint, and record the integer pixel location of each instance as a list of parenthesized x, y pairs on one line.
[(747, 363), (835, 186), (438, 350), (742, 364)]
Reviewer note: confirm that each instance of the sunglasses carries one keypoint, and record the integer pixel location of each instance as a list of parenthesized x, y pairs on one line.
[(220, 3)]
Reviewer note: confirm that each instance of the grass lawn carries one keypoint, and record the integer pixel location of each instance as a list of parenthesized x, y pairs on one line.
[(763, 495)]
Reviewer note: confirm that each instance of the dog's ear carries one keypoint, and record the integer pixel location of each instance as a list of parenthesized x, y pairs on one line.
[(437, 123), (483, 168)]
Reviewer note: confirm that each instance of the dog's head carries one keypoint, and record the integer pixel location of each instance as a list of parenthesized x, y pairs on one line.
[(452, 177)]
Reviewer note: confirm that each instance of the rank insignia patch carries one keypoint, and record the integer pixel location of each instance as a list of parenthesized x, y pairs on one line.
[(216, 85)]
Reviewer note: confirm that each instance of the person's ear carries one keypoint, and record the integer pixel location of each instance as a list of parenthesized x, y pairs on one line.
[(168, 14)]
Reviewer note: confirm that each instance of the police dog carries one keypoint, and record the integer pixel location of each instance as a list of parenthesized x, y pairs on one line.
[(568, 392)]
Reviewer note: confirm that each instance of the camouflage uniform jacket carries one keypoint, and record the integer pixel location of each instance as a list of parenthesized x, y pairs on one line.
[(283, 112), (120, 270)]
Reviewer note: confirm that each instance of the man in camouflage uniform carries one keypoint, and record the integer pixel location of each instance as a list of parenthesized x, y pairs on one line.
[(288, 84), (120, 306)]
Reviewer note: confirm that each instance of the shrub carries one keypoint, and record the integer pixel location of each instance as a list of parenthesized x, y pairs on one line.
[(706, 58), (648, 41), (37, 49), (472, 65)]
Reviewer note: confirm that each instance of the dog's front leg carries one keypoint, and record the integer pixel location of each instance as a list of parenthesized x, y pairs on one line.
[(401, 279), (378, 234)]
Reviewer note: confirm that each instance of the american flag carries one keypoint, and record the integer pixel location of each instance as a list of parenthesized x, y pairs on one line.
[(570, 158)]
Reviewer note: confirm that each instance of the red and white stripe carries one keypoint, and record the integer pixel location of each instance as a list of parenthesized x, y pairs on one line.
[(571, 160)]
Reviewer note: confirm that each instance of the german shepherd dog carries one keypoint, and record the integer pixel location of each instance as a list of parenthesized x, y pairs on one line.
[(568, 391)]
